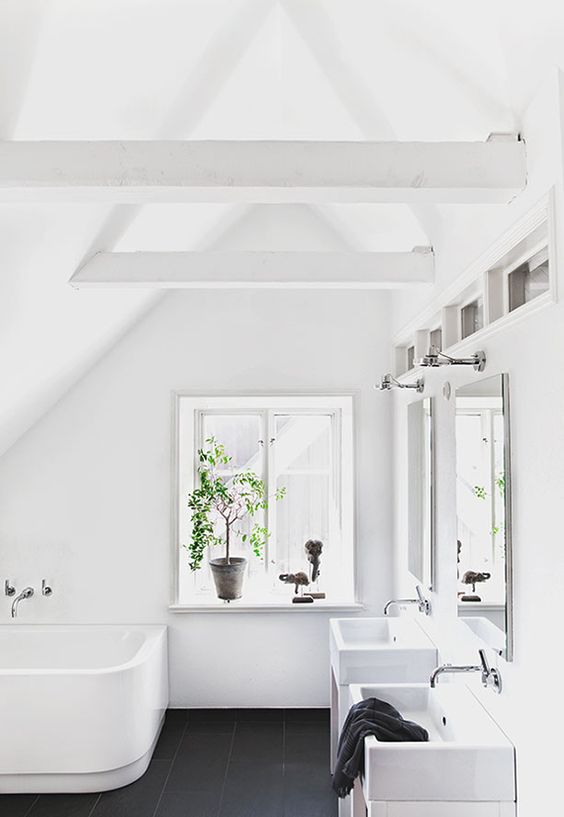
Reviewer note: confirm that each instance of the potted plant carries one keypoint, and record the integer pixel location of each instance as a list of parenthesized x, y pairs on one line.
[(226, 501)]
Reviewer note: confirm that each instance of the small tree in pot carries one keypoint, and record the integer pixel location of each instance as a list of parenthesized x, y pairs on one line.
[(227, 501)]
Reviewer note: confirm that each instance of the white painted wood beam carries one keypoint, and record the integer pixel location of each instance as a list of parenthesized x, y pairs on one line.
[(270, 172), (256, 270)]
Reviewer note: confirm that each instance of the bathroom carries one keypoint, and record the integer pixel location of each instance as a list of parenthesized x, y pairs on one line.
[(219, 223)]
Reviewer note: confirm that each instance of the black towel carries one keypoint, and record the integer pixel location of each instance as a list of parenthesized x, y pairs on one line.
[(369, 717)]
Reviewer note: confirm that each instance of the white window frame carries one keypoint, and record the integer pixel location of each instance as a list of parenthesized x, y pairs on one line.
[(329, 402), (488, 276), (542, 248), (473, 294)]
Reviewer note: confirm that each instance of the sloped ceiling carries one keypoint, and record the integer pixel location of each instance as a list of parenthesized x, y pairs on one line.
[(229, 69)]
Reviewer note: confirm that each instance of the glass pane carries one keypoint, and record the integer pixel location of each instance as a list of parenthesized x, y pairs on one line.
[(240, 434), (528, 281), (472, 316), (303, 514), (303, 465), (303, 442), (436, 338), (410, 357)]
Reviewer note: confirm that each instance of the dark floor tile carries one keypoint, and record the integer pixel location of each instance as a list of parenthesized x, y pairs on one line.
[(210, 728), (180, 714), (63, 805), (138, 799), (307, 742), (308, 790), (209, 715), (171, 734), (268, 715), (258, 743), (189, 804), (303, 715), (253, 791), (201, 762), (16, 805)]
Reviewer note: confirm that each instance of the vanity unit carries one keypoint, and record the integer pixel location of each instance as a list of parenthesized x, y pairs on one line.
[(374, 650), (466, 769)]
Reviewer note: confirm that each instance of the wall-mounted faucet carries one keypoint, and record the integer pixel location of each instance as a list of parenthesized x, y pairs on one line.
[(26, 593), (423, 604), (490, 675), (46, 589)]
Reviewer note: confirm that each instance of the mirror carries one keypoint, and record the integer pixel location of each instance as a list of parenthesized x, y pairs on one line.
[(420, 490), (483, 506)]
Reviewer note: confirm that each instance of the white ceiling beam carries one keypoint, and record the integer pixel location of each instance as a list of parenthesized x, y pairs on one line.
[(256, 270), (262, 172)]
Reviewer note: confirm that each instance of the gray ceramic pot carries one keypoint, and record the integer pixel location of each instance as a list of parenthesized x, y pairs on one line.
[(228, 577)]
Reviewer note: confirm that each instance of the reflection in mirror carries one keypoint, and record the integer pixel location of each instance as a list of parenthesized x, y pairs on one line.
[(420, 490), (483, 504)]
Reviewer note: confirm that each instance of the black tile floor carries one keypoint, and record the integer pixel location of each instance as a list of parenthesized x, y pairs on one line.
[(215, 763)]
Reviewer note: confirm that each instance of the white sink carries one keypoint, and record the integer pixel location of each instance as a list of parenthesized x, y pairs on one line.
[(467, 758), (380, 650), (486, 631)]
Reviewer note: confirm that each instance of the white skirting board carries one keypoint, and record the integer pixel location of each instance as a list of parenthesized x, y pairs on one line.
[(436, 809)]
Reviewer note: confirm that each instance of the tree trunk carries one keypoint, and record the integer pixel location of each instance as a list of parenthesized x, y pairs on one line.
[(227, 541)]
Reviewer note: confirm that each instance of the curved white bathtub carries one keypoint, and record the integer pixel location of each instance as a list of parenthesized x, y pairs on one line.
[(81, 707)]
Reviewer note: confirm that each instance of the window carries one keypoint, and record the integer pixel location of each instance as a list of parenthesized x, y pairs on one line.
[(528, 280), (410, 357), (436, 338), (301, 444), (472, 317)]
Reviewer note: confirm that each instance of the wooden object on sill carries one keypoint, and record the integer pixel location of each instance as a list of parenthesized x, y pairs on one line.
[(316, 595), (302, 600), (297, 579)]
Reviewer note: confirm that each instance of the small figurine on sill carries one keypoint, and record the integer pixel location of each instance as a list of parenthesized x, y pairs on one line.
[(473, 577), (313, 549), (299, 580)]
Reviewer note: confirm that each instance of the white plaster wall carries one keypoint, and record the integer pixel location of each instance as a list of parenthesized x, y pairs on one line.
[(530, 707), (85, 495)]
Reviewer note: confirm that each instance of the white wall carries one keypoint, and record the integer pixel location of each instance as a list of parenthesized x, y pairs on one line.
[(85, 495), (530, 707)]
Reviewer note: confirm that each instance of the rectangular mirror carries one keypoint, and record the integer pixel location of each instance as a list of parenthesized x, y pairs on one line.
[(420, 490), (483, 506)]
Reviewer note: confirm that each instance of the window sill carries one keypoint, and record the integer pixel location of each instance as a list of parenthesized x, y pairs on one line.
[(318, 606)]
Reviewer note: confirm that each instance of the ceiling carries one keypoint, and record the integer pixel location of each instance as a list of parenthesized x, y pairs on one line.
[(229, 69)]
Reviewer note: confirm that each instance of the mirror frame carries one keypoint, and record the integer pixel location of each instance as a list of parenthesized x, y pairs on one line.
[(508, 652), (429, 579), (508, 514)]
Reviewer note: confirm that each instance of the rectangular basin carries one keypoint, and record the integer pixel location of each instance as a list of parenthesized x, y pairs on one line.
[(467, 758), (380, 650)]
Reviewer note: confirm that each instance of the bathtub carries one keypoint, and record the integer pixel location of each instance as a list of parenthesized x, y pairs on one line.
[(81, 707)]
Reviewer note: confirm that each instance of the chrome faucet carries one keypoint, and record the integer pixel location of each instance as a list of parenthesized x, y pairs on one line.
[(490, 675), (26, 593), (423, 604)]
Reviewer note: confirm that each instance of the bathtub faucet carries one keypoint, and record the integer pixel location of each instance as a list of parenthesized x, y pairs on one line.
[(26, 593)]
